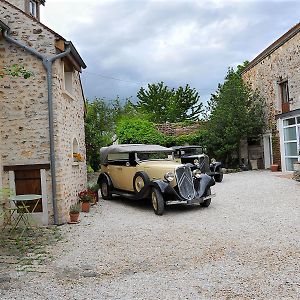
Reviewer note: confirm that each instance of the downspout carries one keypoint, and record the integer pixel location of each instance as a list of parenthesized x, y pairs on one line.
[(47, 63)]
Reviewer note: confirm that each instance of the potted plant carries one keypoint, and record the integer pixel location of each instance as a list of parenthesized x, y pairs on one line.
[(94, 188), (86, 197), (74, 213)]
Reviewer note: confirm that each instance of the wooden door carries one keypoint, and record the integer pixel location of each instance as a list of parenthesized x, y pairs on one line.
[(29, 182)]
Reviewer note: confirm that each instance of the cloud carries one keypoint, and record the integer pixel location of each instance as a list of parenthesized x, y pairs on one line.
[(144, 41)]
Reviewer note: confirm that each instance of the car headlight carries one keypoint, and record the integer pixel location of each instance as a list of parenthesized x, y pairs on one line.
[(169, 176), (196, 161), (197, 173)]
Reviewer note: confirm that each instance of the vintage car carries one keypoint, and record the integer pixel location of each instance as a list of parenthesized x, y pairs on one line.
[(140, 171), (195, 155)]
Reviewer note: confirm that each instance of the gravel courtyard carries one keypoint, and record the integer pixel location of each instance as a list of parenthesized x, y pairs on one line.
[(246, 245)]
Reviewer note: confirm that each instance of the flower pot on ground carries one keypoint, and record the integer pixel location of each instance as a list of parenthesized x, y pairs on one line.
[(74, 213), (274, 168), (85, 206), (94, 188), (86, 197)]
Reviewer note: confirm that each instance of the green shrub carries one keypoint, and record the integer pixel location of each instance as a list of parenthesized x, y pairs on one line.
[(135, 130)]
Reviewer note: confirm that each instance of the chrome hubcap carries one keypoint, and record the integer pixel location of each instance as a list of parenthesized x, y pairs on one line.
[(154, 200), (104, 189), (139, 183)]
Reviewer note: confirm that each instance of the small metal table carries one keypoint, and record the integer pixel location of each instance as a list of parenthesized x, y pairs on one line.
[(23, 209)]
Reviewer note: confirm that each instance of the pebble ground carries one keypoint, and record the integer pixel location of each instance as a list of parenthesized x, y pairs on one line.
[(246, 245)]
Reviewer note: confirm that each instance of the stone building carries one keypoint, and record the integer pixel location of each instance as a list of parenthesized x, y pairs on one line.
[(275, 73), (42, 117)]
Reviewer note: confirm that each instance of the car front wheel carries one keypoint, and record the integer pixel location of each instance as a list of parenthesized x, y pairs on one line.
[(105, 190), (219, 177), (140, 180), (157, 201), (206, 202)]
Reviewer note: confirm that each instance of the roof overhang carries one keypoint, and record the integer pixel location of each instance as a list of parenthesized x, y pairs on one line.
[(60, 44), (274, 46), (290, 114)]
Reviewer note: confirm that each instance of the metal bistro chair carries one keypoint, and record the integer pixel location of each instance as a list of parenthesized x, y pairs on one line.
[(7, 213)]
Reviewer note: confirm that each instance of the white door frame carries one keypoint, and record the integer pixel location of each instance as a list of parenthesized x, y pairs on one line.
[(268, 151)]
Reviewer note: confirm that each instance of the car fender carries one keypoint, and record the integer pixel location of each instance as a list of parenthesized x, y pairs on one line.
[(161, 185), (205, 183), (215, 167), (105, 176)]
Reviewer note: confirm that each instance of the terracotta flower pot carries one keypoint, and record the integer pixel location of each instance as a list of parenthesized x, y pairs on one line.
[(74, 217), (85, 206), (274, 168)]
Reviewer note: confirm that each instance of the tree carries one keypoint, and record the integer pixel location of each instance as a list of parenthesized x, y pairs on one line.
[(235, 112), (100, 121), (15, 71), (163, 104), (138, 130)]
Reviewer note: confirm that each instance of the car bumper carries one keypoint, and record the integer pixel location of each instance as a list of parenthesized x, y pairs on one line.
[(196, 200)]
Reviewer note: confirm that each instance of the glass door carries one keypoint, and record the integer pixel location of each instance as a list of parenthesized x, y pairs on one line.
[(291, 136)]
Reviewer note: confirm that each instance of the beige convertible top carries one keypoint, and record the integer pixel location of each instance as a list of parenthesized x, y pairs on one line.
[(129, 148)]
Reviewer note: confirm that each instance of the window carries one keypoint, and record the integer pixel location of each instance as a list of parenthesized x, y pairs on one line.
[(291, 142), (68, 77), (284, 91), (33, 8), (118, 156), (77, 156)]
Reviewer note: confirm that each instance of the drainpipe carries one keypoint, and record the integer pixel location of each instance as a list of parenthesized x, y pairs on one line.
[(47, 62)]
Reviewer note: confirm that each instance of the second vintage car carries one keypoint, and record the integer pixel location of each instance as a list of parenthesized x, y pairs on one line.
[(140, 171), (195, 155)]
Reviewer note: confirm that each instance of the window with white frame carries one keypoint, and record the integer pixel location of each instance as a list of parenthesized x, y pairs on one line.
[(33, 8), (291, 140)]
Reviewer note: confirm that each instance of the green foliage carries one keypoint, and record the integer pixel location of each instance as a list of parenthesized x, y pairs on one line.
[(93, 187), (90, 169), (75, 209), (235, 112), (162, 104), (198, 138), (15, 71), (5, 193), (101, 117), (138, 130), (135, 130)]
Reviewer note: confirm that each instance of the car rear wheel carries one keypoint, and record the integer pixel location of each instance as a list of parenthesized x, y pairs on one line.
[(206, 202), (105, 190), (140, 180), (157, 201)]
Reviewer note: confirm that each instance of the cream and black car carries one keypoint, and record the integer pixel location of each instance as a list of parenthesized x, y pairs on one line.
[(140, 171), (195, 155)]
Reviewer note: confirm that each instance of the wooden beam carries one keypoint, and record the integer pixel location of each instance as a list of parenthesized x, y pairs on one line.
[(60, 45), (26, 167)]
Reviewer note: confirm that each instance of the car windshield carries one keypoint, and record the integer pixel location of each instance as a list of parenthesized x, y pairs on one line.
[(154, 155), (192, 151)]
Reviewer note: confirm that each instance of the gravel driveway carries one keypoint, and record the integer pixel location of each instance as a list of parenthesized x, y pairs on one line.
[(244, 246)]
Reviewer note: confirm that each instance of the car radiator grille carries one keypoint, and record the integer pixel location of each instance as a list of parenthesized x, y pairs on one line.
[(185, 182), (204, 164)]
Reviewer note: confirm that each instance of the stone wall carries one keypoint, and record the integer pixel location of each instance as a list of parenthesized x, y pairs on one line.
[(18, 3), (177, 129), (24, 124), (283, 63)]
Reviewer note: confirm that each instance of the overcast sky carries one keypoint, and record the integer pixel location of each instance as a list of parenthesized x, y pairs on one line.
[(127, 44)]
